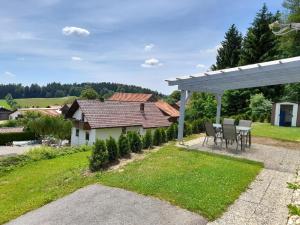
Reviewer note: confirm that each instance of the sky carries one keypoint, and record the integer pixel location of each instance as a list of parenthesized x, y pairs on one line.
[(125, 41)]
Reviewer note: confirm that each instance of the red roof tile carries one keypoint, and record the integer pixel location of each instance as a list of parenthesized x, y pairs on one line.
[(120, 114), (167, 108), (130, 97)]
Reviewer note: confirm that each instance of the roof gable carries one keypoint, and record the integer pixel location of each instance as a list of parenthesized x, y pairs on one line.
[(167, 108)]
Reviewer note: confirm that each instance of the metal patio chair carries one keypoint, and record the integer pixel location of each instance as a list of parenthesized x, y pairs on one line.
[(230, 135), (211, 132), (246, 123), (228, 121)]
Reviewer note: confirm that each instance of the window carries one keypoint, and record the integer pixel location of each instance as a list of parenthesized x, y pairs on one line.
[(87, 136), (77, 132)]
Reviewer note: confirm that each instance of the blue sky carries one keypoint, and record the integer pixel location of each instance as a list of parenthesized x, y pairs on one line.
[(126, 41)]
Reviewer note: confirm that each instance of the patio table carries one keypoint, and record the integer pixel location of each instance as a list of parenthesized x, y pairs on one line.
[(244, 131)]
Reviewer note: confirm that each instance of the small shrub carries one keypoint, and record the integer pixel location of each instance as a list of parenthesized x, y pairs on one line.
[(163, 135), (262, 119), (187, 129), (135, 142), (147, 140), (112, 149), (170, 133), (42, 153), (99, 157), (294, 209), (175, 130), (123, 143), (157, 137)]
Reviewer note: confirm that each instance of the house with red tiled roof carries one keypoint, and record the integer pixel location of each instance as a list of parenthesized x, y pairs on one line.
[(93, 119), (132, 97), (53, 111), (168, 110)]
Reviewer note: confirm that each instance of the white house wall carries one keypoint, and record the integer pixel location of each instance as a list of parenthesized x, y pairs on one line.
[(295, 115), (277, 113)]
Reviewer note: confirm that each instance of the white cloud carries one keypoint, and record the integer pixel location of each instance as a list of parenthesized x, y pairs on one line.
[(212, 50), (201, 66), (151, 63), (8, 74), (75, 31), (149, 47), (76, 58)]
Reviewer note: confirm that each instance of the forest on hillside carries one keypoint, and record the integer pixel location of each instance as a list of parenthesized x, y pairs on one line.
[(55, 90)]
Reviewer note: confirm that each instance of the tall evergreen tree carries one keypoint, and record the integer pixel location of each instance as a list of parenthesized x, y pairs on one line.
[(260, 44), (229, 53), (290, 45)]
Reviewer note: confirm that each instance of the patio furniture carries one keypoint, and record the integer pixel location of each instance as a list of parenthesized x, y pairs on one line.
[(228, 121), (230, 133), (246, 123), (211, 132)]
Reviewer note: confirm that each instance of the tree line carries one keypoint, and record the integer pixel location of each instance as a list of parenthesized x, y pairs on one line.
[(54, 90)]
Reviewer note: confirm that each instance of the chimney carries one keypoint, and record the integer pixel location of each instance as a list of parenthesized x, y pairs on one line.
[(142, 107)]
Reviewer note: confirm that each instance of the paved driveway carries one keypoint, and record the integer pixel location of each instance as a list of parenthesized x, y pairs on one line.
[(97, 204), (15, 150)]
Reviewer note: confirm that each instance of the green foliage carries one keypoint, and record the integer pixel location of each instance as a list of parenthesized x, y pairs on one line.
[(10, 123), (171, 133), (197, 126), (174, 97), (164, 138), (294, 209), (175, 130), (57, 127), (6, 138), (188, 130), (88, 93), (10, 101), (293, 186), (135, 142), (99, 157), (123, 144), (201, 105), (228, 55), (260, 107), (112, 149), (157, 137), (148, 139)]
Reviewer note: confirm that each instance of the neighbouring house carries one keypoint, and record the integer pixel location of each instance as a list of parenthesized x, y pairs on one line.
[(132, 97), (64, 109), (286, 114), (94, 119), (168, 110), (4, 113), (54, 111)]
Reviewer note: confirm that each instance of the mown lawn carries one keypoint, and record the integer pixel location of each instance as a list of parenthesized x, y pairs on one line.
[(276, 132), (39, 102), (200, 182), (31, 186)]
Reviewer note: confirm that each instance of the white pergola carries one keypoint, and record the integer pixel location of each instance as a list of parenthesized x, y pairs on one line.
[(276, 72)]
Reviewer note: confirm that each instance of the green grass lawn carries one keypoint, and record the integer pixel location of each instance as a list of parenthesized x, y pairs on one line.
[(276, 132), (203, 183), (39, 102), (31, 186), (200, 182)]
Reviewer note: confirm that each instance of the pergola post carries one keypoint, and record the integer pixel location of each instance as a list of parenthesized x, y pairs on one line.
[(219, 106), (181, 116)]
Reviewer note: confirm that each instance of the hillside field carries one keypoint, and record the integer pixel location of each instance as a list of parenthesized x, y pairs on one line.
[(39, 102)]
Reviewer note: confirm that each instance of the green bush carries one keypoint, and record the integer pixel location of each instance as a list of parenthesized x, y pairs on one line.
[(170, 133), (187, 129), (99, 157), (135, 142), (6, 138), (147, 140), (163, 135), (123, 143), (175, 130), (157, 137), (112, 149)]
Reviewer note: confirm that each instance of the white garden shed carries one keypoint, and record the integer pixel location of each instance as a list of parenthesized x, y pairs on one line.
[(286, 114)]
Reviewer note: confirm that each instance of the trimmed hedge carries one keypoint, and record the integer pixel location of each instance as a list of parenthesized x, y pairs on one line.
[(6, 138)]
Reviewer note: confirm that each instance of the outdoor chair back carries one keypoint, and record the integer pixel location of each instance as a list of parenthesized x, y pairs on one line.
[(209, 129), (228, 121), (229, 132), (245, 123)]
